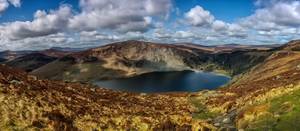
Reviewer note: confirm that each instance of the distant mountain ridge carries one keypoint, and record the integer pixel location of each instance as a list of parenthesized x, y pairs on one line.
[(230, 47), (30, 60)]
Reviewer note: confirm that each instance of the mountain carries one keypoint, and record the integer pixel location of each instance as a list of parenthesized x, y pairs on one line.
[(58, 53), (230, 47), (130, 58), (31, 61), (10, 55), (67, 49), (263, 97)]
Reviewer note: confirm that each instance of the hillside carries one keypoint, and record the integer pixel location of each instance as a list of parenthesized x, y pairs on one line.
[(10, 55), (31, 61), (2, 60), (130, 58), (230, 47), (27, 103), (264, 97)]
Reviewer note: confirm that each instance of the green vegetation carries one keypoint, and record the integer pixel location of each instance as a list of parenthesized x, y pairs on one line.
[(283, 114), (202, 112), (90, 72)]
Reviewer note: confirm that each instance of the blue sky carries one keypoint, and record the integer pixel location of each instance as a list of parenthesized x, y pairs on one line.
[(224, 10), (29, 7), (40, 24)]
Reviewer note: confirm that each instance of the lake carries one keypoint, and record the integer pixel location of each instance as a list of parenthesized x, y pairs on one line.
[(187, 81)]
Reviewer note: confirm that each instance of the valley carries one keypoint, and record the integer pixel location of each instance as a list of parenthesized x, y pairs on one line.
[(262, 94), (149, 65)]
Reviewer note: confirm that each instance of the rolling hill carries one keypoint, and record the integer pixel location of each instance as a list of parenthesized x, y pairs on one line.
[(31, 60), (130, 58)]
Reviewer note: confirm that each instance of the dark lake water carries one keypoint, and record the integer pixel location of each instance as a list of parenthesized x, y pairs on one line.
[(167, 82)]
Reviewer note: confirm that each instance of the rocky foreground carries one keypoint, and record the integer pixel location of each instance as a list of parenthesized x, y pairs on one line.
[(266, 97)]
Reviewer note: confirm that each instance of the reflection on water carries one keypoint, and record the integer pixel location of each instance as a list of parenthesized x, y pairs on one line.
[(167, 82)]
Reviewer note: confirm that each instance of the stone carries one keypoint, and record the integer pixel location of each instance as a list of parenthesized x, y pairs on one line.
[(278, 77), (226, 120), (32, 77), (217, 124), (15, 82), (209, 120), (298, 67), (228, 129)]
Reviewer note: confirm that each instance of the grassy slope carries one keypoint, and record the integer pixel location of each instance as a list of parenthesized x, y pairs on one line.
[(258, 96), (277, 114), (27, 103), (30, 62)]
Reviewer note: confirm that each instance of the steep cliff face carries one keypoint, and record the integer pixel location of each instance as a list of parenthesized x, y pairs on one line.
[(121, 60), (131, 58)]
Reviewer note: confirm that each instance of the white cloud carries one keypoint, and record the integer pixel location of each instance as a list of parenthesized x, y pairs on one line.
[(120, 15), (37, 43), (197, 16), (219, 25), (3, 5), (203, 19), (157, 7), (42, 25), (118, 20), (277, 15), (96, 36), (186, 35), (273, 21), (16, 3), (103, 21)]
